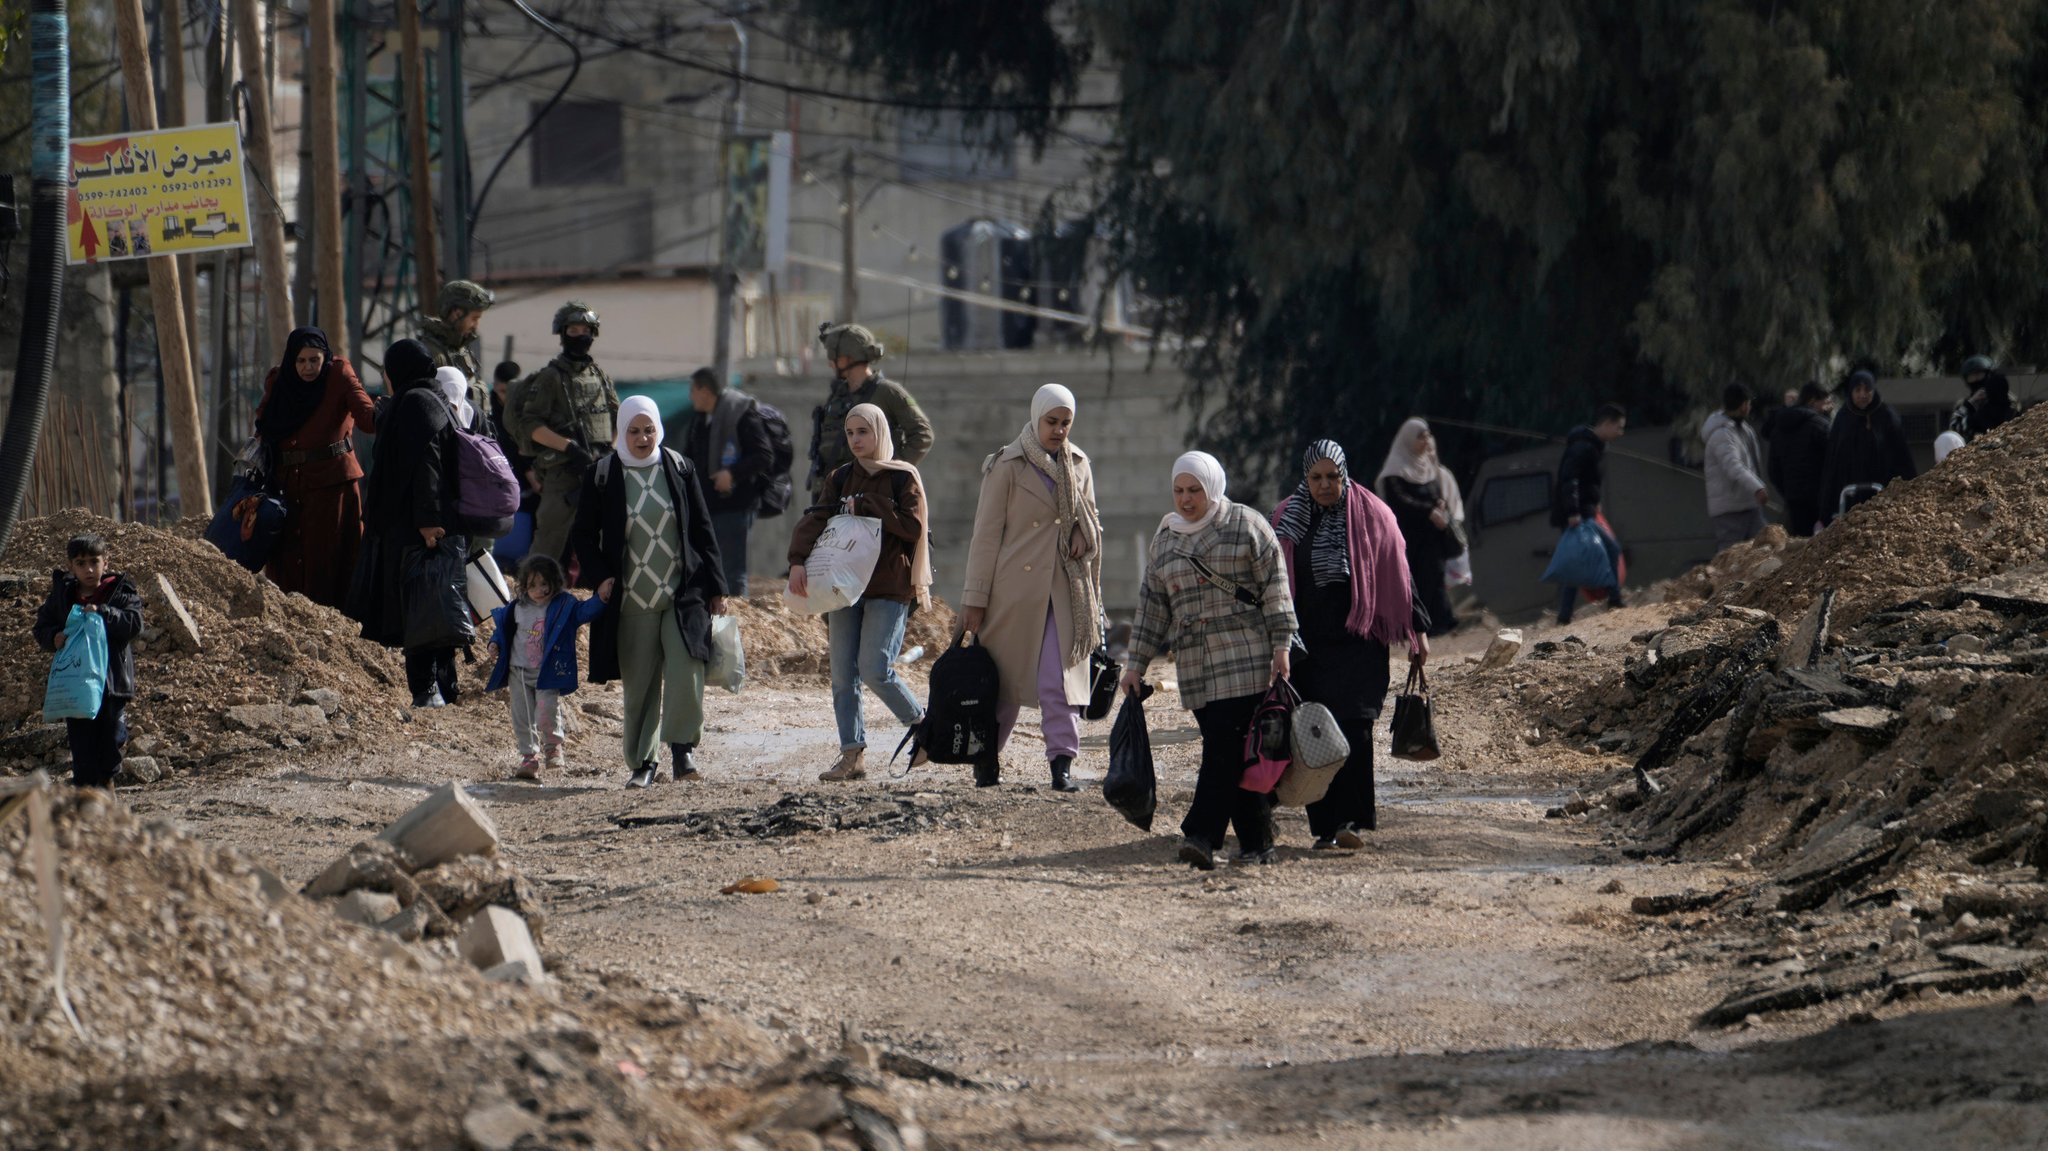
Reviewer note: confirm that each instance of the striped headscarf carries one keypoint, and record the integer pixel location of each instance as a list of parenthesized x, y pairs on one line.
[(1329, 551)]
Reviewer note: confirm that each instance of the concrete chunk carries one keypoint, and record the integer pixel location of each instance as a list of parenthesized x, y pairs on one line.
[(515, 971), (1872, 723), (495, 937), (184, 632), (1506, 645), (368, 908), (446, 825)]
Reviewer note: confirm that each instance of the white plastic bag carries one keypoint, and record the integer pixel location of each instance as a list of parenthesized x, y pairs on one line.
[(840, 566), (485, 585), (1458, 570), (728, 660)]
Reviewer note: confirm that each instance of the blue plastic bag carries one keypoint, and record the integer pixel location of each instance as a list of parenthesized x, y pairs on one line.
[(78, 672), (1584, 557)]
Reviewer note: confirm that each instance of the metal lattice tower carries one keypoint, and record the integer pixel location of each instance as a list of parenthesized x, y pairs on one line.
[(382, 192)]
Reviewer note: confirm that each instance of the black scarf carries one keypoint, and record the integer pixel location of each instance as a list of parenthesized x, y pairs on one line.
[(293, 398)]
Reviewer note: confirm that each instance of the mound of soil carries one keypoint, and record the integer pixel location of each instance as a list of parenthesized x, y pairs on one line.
[(785, 646), (258, 647)]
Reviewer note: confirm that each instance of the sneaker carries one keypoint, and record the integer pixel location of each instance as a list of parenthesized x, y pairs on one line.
[(644, 777), (1262, 855), (1197, 855), (529, 768), (434, 699), (554, 759), (1347, 837), (1324, 843)]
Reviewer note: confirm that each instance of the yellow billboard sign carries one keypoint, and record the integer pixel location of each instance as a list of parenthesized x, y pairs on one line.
[(161, 193)]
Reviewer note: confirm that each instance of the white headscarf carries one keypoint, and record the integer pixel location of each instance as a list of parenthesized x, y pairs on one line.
[(1207, 472), (638, 406), (454, 385), (1051, 397), (1404, 461)]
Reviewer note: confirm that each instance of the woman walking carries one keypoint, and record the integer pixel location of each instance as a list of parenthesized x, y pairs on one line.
[(1216, 587), (312, 404), (867, 635), (1352, 593), (1426, 501), (643, 537), (1034, 580), (410, 505)]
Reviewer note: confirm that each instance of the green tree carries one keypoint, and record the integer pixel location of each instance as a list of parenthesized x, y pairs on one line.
[(1356, 211)]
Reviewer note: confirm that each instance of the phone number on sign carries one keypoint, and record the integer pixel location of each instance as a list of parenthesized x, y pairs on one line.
[(196, 185)]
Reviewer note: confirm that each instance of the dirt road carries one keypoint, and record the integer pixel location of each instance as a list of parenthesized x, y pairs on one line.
[(1473, 978)]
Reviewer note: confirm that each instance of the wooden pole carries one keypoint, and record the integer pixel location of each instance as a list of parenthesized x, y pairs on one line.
[(330, 292), (259, 148), (849, 275), (171, 26), (426, 257), (174, 351)]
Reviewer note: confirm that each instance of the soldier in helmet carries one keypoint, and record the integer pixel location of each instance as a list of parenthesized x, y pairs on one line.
[(1989, 402), (450, 335), (566, 411), (853, 353)]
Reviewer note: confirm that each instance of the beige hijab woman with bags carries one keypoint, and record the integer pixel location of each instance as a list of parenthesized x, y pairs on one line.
[(1033, 595)]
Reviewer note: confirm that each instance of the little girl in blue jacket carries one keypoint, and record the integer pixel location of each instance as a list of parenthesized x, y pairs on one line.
[(536, 638)]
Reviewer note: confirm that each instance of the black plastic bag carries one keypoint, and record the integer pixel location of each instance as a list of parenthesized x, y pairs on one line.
[(1131, 787), (1414, 725), (436, 596)]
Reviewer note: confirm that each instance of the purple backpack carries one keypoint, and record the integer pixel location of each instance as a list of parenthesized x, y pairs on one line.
[(486, 490)]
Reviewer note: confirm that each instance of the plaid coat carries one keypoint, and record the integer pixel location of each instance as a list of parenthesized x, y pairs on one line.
[(1223, 648)]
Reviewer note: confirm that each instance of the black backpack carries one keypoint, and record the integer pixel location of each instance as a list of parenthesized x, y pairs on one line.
[(959, 723), (780, 490)]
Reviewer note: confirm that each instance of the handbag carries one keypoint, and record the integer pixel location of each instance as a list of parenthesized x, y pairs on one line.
[(1320, 751), (1103, 674), (1414, 725), (1269, 743)]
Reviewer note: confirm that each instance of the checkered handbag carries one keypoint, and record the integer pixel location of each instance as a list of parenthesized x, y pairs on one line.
[(1320, 750)]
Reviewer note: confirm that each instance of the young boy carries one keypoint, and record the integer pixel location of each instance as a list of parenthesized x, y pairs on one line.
[(96, 742)]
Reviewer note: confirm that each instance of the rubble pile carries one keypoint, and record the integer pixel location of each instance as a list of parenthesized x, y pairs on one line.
[(223, 1010), (268, 670), (785, 646)]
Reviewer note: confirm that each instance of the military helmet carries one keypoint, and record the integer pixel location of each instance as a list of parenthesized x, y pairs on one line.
[(464, 294), (575, 312), (850, 340), (1976, 364)]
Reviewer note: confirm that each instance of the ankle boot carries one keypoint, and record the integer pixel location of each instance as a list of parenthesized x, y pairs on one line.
[(685, 764), (848, 767), (1061, 779), (987, 772)]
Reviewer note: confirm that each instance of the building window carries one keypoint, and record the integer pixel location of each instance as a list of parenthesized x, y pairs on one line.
[(578, 143), (940, 146)]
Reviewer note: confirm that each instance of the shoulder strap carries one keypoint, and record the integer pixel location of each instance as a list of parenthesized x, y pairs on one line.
[(602, 471), (1241, 593)]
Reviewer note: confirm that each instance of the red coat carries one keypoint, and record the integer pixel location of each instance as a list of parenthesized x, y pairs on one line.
[(317, 555)]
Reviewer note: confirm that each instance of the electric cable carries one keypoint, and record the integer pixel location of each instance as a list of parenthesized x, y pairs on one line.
[(477, 206)]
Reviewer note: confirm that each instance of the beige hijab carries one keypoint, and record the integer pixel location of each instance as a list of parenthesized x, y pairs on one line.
[(885, 460)]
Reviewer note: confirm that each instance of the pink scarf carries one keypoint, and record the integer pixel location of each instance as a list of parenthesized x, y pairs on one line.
[(1380, 592)]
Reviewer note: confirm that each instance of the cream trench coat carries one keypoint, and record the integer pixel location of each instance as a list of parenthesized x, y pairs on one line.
[(1013, 569)]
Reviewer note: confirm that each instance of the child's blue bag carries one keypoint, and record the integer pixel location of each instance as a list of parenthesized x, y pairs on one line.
[(1584, 557), (78, 672)]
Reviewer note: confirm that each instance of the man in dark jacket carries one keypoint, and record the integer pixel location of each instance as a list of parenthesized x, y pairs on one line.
[(728, 442), (96, 742), (1866, 450), (1798, 434), (1579, 476), (1989, 403)]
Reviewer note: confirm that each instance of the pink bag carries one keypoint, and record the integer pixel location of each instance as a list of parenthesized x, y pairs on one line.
[(1268, 746)]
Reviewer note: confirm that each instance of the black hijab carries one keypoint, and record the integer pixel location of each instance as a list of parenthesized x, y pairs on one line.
[(292, 398), (407, 365)]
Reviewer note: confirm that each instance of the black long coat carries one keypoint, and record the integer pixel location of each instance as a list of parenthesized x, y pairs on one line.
[(599, 537), (412, 486)]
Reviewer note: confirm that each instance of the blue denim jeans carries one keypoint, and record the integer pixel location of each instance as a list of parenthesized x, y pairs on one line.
[(730, 529), (865, 640)]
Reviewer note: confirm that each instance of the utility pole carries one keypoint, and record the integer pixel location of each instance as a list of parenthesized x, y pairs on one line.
[(728, 272), (414, 64), (171, 31), (331, 292), (224, 431), (849, 280), (174, 351), (35, 356), (268, 223)]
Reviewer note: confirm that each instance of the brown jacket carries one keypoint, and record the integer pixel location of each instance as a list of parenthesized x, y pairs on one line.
[(344, 410), (1013, 570), (903, 524)]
